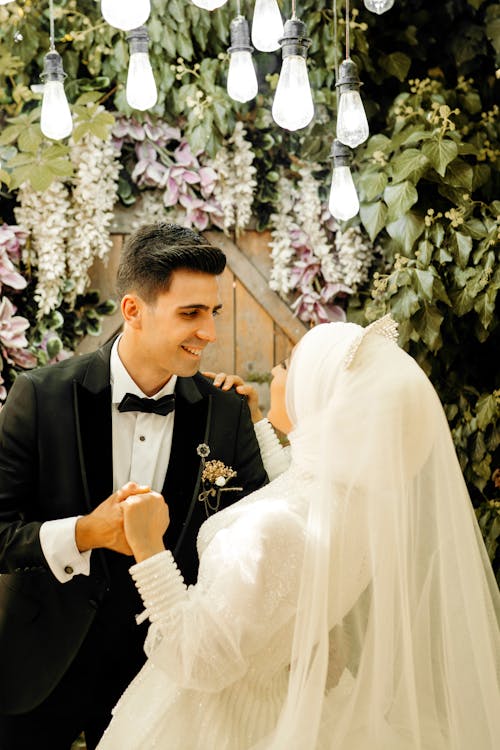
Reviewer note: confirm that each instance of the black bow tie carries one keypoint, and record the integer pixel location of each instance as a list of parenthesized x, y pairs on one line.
[(163, 405)]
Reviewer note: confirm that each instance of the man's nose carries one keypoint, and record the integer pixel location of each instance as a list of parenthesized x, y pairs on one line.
[(207, 331)]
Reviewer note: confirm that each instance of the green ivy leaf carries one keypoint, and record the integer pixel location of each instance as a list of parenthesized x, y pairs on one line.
[(10, 134), (396, 64), (409, 161), (440, 152), (487, 410), (425, 282), (30, 138), (406, 230), (404, 303), (460, 174), (485, 307), (87, 97), (40, 177), (437, 234), (373, 217), (427, 322), (425, 250), (184, 46), (5, 177), (371, 183), (464, 248), (462, 301), (400, 198)]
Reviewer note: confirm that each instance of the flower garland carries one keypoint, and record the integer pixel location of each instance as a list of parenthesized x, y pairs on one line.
[(311, 255), (195, 191), (68, 227), (46, 218), (92, 201), (235, 186), (158, 157), (13, 342)]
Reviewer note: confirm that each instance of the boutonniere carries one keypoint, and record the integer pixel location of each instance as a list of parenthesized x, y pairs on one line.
[(214, 477)]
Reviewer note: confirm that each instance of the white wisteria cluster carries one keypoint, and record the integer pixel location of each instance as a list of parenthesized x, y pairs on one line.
[(355, 256), (282, 249), (310, 208), (150, 209), (93, 198), (46, 218), (235, 187), (308, 249), (69, 226)]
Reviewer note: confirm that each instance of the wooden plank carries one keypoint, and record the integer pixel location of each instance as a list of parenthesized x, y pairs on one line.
[(282, 345), (258, 287), (255, 245), (254, 336)]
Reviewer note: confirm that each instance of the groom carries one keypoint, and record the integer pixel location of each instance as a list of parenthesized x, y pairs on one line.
[(74, 438)]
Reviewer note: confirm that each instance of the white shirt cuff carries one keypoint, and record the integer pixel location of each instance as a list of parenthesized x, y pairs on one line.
[(58, 542)]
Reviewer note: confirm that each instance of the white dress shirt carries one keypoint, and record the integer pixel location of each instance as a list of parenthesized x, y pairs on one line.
[(141, 452)]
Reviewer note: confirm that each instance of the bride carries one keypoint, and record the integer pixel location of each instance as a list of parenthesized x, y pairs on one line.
[(347, 605)]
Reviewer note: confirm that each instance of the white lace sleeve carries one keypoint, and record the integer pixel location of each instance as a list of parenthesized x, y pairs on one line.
[(275, 457), (248, 582)]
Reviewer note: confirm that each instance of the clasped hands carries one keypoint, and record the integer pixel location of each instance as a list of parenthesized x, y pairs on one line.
[(132, 521)]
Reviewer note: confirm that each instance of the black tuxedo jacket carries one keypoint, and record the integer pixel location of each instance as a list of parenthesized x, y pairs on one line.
[(56, 462)]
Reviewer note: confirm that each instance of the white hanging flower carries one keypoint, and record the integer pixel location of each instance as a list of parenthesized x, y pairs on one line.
[(355, 254), (282, 249), (150, 209), (311, 211), (44, 216), (310, 255), (94, 195), (235, 187)]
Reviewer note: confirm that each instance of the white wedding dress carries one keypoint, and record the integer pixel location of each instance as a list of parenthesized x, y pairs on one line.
[(219, 652), (349, 604)]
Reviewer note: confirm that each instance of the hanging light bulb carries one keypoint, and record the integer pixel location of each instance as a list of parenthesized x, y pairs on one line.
[(209, 4), (126, 14), (241, 78), (293, 106), (343, 203), (352, 125), (379, 6), (267, 26), (141, 90), (56, 121)]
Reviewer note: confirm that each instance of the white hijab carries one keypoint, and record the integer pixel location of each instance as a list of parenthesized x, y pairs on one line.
[(397, 639)]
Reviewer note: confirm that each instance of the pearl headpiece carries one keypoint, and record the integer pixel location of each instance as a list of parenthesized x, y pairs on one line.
[(386, 327)]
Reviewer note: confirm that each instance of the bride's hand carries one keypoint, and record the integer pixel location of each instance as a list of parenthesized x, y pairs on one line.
[(225, 382), (145, 520)]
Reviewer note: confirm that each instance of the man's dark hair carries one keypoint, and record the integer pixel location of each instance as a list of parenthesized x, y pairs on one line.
[(153, 252)]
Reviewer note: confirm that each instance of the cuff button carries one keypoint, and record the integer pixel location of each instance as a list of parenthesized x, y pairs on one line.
[(69, 570)]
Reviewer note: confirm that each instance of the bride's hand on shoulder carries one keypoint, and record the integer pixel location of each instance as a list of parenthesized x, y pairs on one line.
[(225, 382), (145, 520)]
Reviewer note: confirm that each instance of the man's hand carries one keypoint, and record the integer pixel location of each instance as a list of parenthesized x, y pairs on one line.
[(225, 382), (103, 527), (146, 519)]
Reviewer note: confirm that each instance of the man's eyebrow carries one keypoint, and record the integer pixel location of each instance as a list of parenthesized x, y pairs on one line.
[(199, 307)]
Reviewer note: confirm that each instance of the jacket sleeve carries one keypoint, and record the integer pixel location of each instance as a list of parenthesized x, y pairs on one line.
[(20, 548)]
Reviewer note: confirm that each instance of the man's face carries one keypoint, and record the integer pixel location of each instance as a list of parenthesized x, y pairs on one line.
[(171, 334)]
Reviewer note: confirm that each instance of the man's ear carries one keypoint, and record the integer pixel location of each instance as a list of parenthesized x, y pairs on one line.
[(131, 307)]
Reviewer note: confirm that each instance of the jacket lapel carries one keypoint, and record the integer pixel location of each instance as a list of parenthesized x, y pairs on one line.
[(92, 404), (182, 482)]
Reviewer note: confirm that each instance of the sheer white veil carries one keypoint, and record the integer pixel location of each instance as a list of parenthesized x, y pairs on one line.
[(397, 640)]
